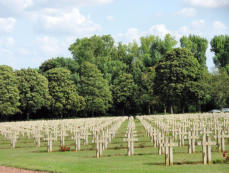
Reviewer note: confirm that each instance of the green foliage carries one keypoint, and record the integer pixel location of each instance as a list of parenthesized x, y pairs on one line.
[(121, 53), (143, 78), (95, 89), (60, 62), (65, 98), (158, 48), (9, 94), (124, 91), (67, 63), (220, 46), (33, 88), (220, 88), (176, 77), (88, 49), (197, 46), (111, 69), (147, 97)]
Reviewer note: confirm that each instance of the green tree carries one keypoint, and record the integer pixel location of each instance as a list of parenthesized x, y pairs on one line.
[(176, 76), (88, 49), (147, 97), (197, 45), (220, 88), (65, 98), (33, 88), (124, 92), (121, 53), (9, 94), (112, 68), (158, 49), (220, 46), (95, 89), (146, 43), (61, 62), (67, 63)]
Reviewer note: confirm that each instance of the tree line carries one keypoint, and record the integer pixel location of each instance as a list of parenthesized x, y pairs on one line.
[(107, 78)]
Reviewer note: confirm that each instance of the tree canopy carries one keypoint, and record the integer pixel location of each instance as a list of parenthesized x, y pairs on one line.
[(65, 98), (104, 77), (220, 46), (9, 94), (176, 75), (95, 89), (197, 45)]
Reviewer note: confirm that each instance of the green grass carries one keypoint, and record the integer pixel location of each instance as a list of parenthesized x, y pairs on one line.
[(114, 160)]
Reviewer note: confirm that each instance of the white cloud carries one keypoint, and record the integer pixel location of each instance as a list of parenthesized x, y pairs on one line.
[(130, 35), (209, 3), (49, 45), (6, 42), (52, 46), (134, 33), (219, 27), (7, 24), (7, 57), (198, 24), (109, 18), (23, 51), (20, 5), (64, 22), (189, 12), (159, 30), (16, 4)]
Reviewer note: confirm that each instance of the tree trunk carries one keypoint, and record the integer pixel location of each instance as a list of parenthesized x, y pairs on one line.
[(27, 116), (123, 111), (198, 107), (149, 111), (164, 109), (171, 109)]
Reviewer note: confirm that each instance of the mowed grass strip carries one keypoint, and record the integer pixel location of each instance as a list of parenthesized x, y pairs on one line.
[(114, 160)]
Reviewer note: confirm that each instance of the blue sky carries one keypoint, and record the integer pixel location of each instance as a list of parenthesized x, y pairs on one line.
[(32, 31)]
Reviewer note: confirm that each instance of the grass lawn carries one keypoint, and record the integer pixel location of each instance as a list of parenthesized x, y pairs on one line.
[(114, 160)]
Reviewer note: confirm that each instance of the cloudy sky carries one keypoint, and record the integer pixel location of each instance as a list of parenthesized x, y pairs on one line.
[(32, 31)]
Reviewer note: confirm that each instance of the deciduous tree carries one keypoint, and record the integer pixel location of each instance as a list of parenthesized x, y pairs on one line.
[(95, 89), (65, 98), (33, 88), (9, 93)]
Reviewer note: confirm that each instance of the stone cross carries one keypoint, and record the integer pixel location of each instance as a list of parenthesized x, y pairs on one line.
[(99, 147), (206, 149), (130, 141), (37, 138), (191, 141), (169, 144), (49, 139), (220, 140), (13, 138), (153, 135), (181, 135), (62, 135), (85, 134), (77, 137), (160, 143)]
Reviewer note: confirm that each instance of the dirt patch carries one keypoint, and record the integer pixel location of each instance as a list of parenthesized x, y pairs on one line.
[(6, 169)]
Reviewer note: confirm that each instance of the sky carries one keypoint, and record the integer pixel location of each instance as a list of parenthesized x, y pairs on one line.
[(32, 31)]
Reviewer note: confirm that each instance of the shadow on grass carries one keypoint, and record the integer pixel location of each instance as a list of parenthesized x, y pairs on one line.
[(176, 163)]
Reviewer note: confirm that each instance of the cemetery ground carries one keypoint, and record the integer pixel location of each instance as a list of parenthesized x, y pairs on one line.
[(113, 160)]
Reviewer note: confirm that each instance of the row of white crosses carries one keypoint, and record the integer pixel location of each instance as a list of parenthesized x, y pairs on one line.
[(130, 136), (104, 134), (52, 130), (164, 143), (195, 128)]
